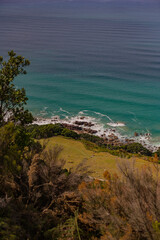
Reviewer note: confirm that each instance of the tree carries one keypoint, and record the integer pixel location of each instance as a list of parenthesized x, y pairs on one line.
[(12, 100)]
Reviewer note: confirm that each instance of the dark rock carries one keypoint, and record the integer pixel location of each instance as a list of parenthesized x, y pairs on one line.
[(82, 118), (79, 123), (90, 131), (86, 124), (136, 134), (72, 127)]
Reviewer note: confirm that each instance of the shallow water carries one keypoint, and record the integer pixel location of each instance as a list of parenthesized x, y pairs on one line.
[(99, 58)]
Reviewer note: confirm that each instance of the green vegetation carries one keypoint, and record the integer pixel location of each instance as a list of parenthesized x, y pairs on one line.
[(137, 148), (12, 100), (45, 131), (71, 134)]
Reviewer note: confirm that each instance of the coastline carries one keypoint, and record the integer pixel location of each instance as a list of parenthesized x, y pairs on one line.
[(86, 124)]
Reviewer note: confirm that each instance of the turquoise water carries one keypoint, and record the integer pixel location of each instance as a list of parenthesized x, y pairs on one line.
[(101, 57)]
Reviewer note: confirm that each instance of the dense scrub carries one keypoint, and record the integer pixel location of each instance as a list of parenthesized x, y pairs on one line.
[(137, 148), (37, 194), (50, 130), (40, 199)]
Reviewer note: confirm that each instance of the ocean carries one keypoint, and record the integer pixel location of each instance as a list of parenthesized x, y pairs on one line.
[(93, 58)]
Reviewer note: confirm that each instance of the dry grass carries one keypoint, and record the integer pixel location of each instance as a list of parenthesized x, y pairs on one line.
[(75, 152), (126, 207)]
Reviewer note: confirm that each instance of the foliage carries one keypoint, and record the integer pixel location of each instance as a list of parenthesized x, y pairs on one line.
[(137, 148), (12, 100), (36, 192), (158, 152), (93, 147), (16, 144), (69, 133), (91, 138), (68, 230), (50, 130), (45, 131), (9, 231)]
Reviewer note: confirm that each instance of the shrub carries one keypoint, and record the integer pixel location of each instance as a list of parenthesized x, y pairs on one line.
[(42, 197), (91, 138), (69, 133), (137, 148), (158, 152), (45, 131), (15, 144), (50, 130), (36, 147), (22, 138)]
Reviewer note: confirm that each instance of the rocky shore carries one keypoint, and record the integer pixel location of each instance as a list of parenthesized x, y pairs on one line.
[(83, 124)]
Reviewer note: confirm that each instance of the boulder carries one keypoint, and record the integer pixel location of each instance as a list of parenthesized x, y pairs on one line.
[(136, 134)]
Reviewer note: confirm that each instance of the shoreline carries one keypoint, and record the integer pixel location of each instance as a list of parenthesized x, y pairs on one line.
[(84, 124)]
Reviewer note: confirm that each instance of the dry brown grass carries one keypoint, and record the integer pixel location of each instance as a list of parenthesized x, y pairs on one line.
[(126, 208)]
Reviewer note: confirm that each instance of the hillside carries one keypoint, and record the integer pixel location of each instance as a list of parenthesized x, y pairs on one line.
[(74, 152)]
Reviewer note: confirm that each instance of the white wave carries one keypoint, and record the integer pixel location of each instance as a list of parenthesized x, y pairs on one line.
[(63, 110), (116, 124), (81, 113), (104, 115)]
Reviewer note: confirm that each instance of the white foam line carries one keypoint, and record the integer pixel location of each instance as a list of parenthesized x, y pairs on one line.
[(62, 110), (116, 124), (103, 115)]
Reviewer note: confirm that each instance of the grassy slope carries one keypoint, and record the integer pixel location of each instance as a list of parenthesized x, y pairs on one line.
[(74, 152)]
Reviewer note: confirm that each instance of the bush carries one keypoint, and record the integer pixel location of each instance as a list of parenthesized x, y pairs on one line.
[(91, 138), (69, 133), (158, 152), (16, 145), (22, 138), (137, 148), (50, 130), (42, 197), (92, 146), (36, 147), (45, 131)]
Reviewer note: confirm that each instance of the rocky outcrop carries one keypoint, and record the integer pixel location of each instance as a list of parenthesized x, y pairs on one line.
[(72, 127), (136, 134), (84, 123)]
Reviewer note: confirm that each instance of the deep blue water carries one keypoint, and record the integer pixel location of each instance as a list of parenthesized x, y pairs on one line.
[(94, 56)]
